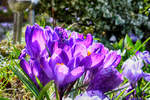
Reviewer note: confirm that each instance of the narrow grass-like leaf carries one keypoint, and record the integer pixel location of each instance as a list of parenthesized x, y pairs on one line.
[(129, 93), (44, 90), (148, 83), (4, 84), (113, 91), (148, 96), (38, 81), (1, 98), (142, 44), (25, 79), (56, 91), (41, 86), (137, 44), (118, 97)]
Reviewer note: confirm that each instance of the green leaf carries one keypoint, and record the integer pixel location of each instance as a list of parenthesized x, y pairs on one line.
[(128, 42), (145, 87), (57, 94), (129, 93), (148, 39), (137, 44), (98, 39), (24, 78), (118, 97), (38, 81), (120, 44), (44, 90), (113, 91), (1, 98)]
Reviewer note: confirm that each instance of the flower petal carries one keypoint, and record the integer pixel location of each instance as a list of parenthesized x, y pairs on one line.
[(106, 80), (79, 49), (88, 41), (110, 59), (92, 61), (61, 71), (95, 47), (26, 67), (132, 70), (63, 55), (74, 74), (92, 95), (35, 40), (146, 76), (104, 50), (23, 54), (117, 61), (39, 73), (46, 68)]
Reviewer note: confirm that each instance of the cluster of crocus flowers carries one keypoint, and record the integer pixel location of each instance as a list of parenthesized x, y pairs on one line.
[(132, 70), (132, 67), (64, 56)]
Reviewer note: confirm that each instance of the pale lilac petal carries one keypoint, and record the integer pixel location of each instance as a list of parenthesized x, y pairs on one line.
[(110, 59), (95, 47), (132, 70), (79, 49), (146, 76), (146, 57), (92, 95)]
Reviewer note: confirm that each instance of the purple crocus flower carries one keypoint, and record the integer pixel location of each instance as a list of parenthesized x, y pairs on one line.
[(106, 80), (35, 38), (62, 33), (64, 56), (95, 56), (132, 69), (66, 64), (144, 55), (36, 41), (105, 77), (79, 38), (33, 70)]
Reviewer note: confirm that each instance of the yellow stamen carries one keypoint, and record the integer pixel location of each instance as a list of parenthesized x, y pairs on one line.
[(60, 64), (89, 53)]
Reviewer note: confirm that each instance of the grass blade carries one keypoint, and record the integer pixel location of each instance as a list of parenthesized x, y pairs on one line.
[(44, 91)]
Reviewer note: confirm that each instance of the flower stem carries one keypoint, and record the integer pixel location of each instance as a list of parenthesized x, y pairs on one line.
[(57, 94)]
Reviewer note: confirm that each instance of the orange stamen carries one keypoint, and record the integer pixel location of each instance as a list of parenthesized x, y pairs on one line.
[(60, 64), (89, 53)]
